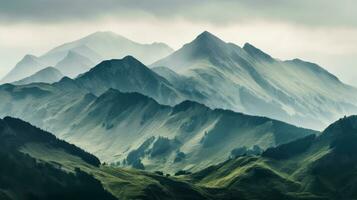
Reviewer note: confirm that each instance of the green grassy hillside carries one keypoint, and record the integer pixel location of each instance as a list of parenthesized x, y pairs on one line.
[(322, 167)]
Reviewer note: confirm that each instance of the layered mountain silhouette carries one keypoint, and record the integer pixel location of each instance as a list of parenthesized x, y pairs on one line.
[(250, 81), (47, 75), (78, 56), (74, 64), (214, 73), (131, 129), (26, 67)]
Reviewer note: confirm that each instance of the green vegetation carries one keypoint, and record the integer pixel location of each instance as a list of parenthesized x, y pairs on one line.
[(322, 167)]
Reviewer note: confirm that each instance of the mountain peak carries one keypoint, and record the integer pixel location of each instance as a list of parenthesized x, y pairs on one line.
[(188, 105), (103, 33), (46, 75), (73, 54), (126, 62), (257, 53), (104, 36), (130, 58), (343, 126), (207, 37), (29, 57), (206, 34)]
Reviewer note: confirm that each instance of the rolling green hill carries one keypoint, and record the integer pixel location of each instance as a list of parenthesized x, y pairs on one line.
[(36, 165), (322, 167)]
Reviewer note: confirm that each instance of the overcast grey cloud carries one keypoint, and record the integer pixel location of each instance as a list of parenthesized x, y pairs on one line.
[(308, 12)]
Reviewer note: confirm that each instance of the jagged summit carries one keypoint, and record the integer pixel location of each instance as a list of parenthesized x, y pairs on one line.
[(207, 40), (126, 63), (207, 36), (257, 53)]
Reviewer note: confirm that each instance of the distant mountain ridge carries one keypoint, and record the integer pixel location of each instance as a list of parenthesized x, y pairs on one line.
[(251, 81), (74, 64), (47, 75), (24, 68), (131, 129), (95, 47)]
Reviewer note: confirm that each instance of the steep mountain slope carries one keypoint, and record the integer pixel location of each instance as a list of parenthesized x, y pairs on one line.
[(23, 177), (47, 75), (223, 75), (313, 167), (128, 75), (120, 123), (322, 167), (96, 47), (134, 130), (74, 64), (36, 165), (26, 67)]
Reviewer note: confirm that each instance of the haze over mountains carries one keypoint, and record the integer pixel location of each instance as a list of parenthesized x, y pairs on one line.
[(128, 127), (78, 56), (229, 119), (250, 81), (47, 75)]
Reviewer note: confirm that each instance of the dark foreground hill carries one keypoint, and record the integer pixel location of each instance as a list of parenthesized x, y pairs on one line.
[(24, 177)]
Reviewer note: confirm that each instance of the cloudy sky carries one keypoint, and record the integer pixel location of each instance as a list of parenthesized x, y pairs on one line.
[(321, 31)]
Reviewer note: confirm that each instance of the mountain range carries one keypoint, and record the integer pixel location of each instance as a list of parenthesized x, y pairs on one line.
[(251, 81), (219, 75), (47, 75), (102, 106), (79, 56), (128, 128), (226, 121)]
